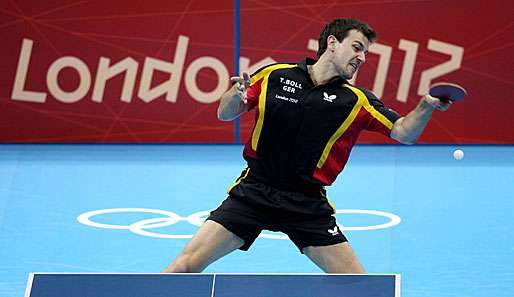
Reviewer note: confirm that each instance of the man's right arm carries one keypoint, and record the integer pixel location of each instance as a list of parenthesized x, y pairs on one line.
[(233, 102)]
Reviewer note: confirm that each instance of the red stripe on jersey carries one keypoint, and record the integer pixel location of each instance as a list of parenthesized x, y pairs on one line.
[(253, 93), (375, 125), (248, 151), (340, 152)]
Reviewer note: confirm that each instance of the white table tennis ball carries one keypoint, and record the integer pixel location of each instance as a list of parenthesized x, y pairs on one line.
[(458, 154)]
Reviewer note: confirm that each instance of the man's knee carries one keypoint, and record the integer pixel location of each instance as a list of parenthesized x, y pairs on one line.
[(211, 242), (184, 264)]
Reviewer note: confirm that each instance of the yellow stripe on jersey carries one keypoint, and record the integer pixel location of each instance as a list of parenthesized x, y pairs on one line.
[(247, 170), (264, 71), (380, 117), (264, 75), (374, 113), (328, 200), (361, 100)]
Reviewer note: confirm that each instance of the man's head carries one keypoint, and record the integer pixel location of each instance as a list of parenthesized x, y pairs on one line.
[(344, 44), (340, 28)]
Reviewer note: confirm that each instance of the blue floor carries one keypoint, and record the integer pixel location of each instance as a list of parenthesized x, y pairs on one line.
[(455, 238)]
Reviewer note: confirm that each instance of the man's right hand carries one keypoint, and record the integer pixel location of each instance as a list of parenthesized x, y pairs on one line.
[(240, 84), (436, 102)]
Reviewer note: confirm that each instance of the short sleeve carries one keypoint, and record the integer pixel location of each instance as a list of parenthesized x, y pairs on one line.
[(382, 118), (253, 93)]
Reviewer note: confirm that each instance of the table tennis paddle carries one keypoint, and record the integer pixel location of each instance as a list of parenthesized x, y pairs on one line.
[(447, 91)]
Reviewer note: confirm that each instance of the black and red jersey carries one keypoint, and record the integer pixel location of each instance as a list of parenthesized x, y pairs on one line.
[(303, 134)]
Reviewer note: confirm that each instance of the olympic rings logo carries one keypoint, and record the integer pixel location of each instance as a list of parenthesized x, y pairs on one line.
[(168, 218)]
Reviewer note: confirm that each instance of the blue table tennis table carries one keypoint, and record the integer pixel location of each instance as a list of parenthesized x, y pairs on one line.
[(211, 285)]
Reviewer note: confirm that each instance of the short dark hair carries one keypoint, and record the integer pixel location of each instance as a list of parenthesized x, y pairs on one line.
[(340, 28)]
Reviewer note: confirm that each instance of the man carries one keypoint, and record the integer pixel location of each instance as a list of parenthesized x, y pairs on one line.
[(307, 120)]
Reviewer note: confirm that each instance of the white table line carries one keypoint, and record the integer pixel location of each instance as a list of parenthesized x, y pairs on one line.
[(213, 284)]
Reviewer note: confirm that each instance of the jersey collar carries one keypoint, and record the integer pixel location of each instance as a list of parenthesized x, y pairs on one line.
[(309, 61)]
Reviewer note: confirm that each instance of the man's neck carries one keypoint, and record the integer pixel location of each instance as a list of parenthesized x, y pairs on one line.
[(322, 72)]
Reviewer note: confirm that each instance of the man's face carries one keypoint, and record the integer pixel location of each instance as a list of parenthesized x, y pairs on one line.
[(349, 54)]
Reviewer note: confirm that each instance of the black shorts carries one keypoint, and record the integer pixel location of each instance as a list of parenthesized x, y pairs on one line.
[(251, 207)]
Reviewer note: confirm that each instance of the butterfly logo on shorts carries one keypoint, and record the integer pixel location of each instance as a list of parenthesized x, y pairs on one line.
[(328, 97), (334, 231)]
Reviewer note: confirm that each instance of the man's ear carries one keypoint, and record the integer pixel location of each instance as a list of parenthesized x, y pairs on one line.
[(331, 42)]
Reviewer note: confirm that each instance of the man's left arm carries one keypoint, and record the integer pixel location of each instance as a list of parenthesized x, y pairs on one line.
[(407, 129)]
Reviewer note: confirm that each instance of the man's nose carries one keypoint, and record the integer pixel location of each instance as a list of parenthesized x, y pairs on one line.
[(362, 57)]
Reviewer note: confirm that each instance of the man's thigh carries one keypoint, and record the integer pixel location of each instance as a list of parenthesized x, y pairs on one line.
[(336, 258), (307, 230), (211, 242)]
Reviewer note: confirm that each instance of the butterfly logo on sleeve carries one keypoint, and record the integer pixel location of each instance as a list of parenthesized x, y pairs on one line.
[(328, 97)]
